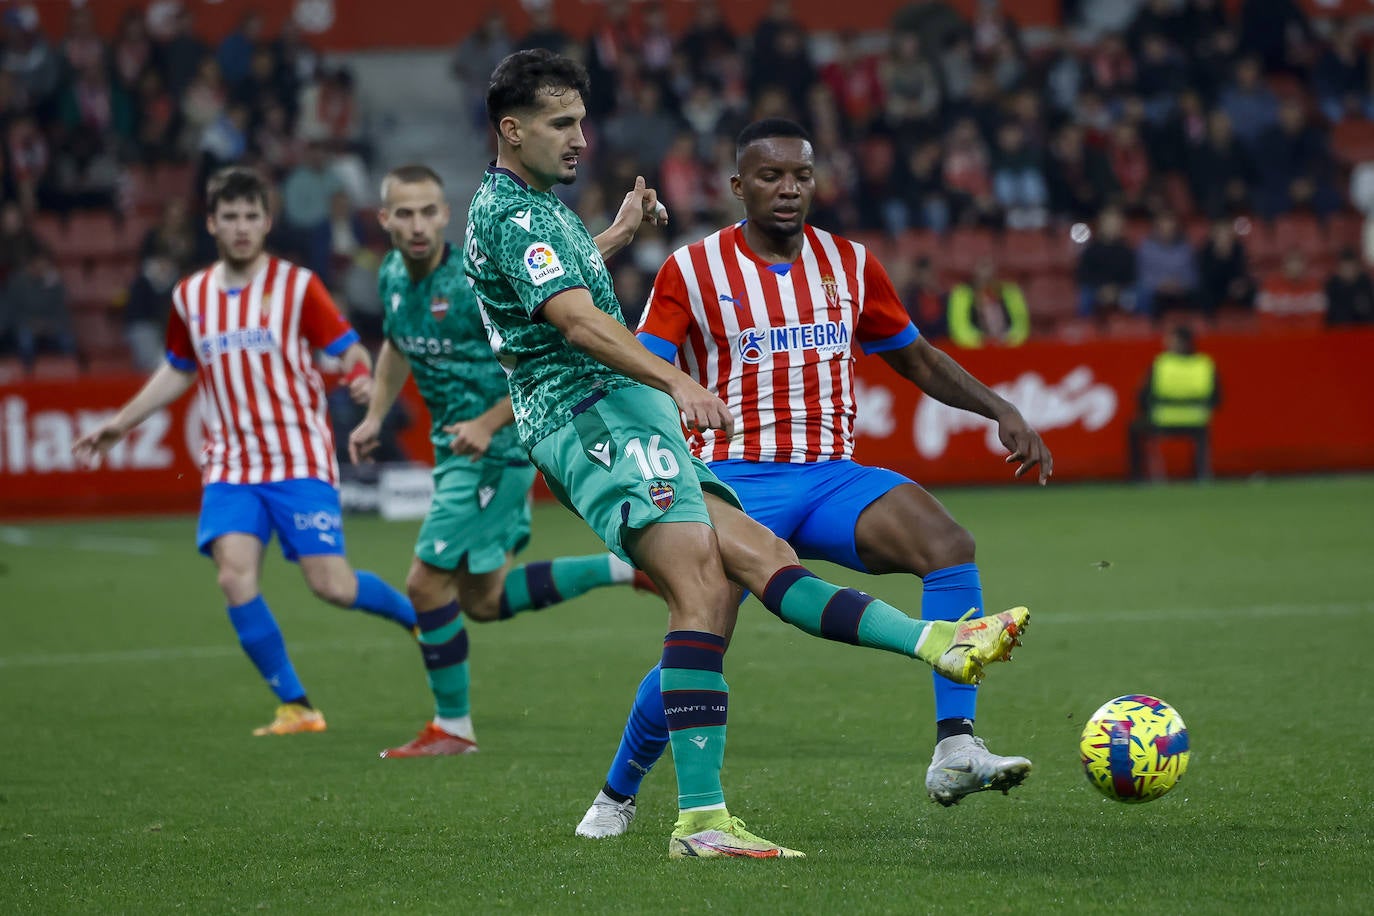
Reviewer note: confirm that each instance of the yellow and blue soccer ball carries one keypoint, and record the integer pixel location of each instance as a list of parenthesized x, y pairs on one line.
[(1134, 748)]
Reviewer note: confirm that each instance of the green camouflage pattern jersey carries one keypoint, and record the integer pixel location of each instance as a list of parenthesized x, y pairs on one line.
[(437, 327), (523, 248)]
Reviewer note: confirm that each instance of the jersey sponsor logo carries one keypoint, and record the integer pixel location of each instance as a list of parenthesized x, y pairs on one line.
[(522, 219), (415, 345), (254, 340), (484, 496), (828, 337), (318, 521), (542, 263), (662, 494), (438, 307)]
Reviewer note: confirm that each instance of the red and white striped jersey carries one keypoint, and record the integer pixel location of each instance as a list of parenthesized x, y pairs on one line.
[(774, 341), (263, 400)]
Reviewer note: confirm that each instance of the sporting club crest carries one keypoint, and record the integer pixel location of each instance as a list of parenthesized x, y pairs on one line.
[(662, 494), (438, 308), (831, 288)]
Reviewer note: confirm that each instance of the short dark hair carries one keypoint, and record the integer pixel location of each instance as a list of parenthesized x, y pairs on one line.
[(410, 174), (768, 128), (236, 182), (521, 76)]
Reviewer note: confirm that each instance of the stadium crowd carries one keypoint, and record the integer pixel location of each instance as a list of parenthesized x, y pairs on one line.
[(1148, 156)]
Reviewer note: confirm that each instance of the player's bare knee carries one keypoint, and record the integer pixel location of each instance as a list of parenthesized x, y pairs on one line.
[(428, 588), (336, 585), (239, 584), (952, 546), (484, 609)]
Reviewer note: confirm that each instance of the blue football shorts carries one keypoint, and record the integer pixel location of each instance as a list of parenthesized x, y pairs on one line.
[(304, 513), (814, 507)]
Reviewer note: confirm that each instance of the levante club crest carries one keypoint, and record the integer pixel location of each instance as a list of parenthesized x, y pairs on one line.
[(662, 495), (438, 308)]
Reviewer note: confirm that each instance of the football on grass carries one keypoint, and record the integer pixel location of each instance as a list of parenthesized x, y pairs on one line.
[(1134, 748)]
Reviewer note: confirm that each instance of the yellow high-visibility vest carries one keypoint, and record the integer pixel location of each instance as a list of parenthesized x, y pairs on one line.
[(1181, 389)]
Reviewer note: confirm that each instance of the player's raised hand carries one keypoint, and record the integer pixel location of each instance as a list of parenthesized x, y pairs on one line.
[(1026, 447), (90, 447), (702, 410), (641, 205), (469, 438), (364, 439)]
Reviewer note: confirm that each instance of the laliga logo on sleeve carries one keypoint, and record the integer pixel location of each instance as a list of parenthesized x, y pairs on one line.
[(542, 263), (750, 346)]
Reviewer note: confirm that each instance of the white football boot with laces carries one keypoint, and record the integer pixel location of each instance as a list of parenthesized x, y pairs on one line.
[(963, 765), (606, 818)]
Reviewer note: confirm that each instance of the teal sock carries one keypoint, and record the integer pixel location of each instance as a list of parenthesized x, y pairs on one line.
[(848, 615), (535, 586), (695, 701), (444, 646)]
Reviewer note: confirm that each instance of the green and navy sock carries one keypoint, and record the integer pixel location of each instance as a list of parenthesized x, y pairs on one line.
[(848, 615), (949, 594), (376, 597), (444, 647), (535, 586), (695, 701), (261, 639)]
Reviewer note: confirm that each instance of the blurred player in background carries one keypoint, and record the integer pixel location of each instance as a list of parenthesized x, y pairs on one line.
[(601, 416), (245, 327), (765, 314), (480, 515)]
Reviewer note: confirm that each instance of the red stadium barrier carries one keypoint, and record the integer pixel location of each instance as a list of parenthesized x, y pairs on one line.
[(1296, 402)]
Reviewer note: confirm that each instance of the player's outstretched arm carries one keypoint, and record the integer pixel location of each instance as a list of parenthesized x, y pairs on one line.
[(610, 343), (162, 388), (641, 205), (391, 374), (939, 376)]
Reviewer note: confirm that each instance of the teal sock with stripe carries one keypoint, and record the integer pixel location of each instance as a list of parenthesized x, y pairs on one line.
[(847, 615), (535, 586), (695, 702), (444, 646)]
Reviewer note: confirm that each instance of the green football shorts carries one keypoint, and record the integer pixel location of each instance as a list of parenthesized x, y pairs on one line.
[(481, 510), (622, 463)]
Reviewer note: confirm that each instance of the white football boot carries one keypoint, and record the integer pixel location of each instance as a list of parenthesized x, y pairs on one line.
[(962, 765), (606, 818)]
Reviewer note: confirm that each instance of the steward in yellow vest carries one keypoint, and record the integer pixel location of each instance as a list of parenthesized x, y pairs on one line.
[(1178, 399)]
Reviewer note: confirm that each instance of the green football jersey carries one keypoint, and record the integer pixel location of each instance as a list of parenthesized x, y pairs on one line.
[(523, 248), (436, 324)]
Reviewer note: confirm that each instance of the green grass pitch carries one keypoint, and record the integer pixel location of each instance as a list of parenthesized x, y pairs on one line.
[(129, 782)]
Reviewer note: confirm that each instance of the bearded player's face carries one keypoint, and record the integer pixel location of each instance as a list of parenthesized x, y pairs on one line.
[(240, 229), (776, 182), (550, 139)]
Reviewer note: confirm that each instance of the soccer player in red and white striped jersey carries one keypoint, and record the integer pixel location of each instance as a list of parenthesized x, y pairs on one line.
[(245, 328), (765, 315)]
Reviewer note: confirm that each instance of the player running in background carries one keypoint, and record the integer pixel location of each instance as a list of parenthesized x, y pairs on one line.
[(765, 314), (480, 515), (602, 416), (245, 327)]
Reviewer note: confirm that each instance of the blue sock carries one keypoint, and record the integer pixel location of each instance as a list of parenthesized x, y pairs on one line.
[(645, 738), (376, 597), (261, 639), (948, 595)]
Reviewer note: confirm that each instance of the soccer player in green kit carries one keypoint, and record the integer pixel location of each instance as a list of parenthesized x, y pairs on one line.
[(480, 515), (601, 416)]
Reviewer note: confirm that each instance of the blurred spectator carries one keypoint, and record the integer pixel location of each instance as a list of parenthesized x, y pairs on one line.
[(919, 188), (1065, 74), (476, 59), (1295, 168), (346, 232), (707, 39), (1293, 290), (1278, 32), (202, 103), (854, 80), (988, 310), (306, 195), (967, 174), (84, 174), (156, 120), (1341, 78), (33, 307), (82, 47), (173, 237), (1224, 272), (642, 129), (1130, 164), (785, 65), (1221, 173), (132, 51), (235, 54), (145, 313), (1113, 68), (182, 55), (1349, 292), (1079, 177), (27, 150), (1163, 19), (1214, 62), (226, 140), (30, 59), (1106, 273), (297, 65), (18, 244), (1178, 399), (682, 180), (1162, 75), (1249, 103), (273, 142), (1166, 268), (89, 103), (632, 289), (257, 88), (916, 283), (544, 31), (1017, 180)]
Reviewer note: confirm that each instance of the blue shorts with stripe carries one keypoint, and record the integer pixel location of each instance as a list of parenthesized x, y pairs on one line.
[(304, 513), (814, 507)]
